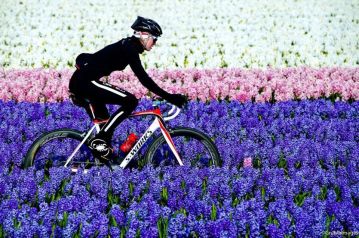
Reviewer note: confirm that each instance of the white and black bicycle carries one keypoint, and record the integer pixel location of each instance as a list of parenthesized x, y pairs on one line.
[(168, 146)]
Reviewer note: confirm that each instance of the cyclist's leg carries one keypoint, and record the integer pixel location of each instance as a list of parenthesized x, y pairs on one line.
[(109, 94), (85, 95), (100, 93), (98, 112)]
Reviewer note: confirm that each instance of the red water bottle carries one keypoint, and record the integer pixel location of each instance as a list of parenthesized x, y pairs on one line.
[(129, 143)]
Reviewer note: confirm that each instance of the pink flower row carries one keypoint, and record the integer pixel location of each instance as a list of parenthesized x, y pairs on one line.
[(39, 85)]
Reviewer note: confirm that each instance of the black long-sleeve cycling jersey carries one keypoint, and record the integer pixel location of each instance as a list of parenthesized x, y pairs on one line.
[(116, 57)]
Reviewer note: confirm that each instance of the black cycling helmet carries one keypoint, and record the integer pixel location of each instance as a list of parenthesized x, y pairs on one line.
[(147, 25)]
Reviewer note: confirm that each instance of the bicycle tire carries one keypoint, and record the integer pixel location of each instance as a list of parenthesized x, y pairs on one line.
[(50, 137), (187, 133)]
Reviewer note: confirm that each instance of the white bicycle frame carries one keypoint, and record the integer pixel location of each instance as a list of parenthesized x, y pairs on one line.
[(156, 124)]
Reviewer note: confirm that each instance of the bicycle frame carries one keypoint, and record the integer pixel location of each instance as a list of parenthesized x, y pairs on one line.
[(158, 123)]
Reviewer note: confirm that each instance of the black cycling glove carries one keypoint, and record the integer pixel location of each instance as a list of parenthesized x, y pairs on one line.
[(178, 100)]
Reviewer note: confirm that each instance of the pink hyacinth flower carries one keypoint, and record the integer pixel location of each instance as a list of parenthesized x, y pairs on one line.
[(247, 163)]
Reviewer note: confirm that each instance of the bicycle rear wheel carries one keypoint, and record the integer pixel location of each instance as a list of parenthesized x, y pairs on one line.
[(52, 149), (194, 147)]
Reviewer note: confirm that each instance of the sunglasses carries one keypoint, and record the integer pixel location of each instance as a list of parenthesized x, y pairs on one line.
[(154, 38), (148, 35)]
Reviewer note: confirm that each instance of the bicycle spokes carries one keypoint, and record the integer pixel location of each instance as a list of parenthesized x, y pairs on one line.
[(54, 153), (192, 152)]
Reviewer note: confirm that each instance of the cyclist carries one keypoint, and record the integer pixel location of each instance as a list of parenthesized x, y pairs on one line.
[(85, 82)]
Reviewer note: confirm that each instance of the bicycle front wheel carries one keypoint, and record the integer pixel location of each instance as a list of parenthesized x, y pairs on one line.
[(53, 149), (194, 148)]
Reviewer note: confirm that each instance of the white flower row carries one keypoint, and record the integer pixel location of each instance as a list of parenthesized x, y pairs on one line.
[(200, 34)]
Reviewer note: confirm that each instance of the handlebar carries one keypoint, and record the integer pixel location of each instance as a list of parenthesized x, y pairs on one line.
[(175, 114), (172, 113)]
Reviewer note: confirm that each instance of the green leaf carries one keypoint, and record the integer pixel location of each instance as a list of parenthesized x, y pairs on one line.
[(323, 193), (185, 61), (113, 221), (204, 185), (235, 202), (78, 232), (263, 193), (2, 232), (213, 212), (60, 191), (63, 222), (300, 198), (138, 233), (162, 226), (131, 188), (53, 227), (338, 193), (17, 224), (123, 232), (164, 195), (272, 220), (183, 185)]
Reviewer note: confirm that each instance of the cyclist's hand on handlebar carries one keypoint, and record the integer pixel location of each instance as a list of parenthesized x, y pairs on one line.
[(178, 100)]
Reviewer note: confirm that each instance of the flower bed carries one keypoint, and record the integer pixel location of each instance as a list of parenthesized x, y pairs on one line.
[(209, 34), (302, 181), (231, 84)]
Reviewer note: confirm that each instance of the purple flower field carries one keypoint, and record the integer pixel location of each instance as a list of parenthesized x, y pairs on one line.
[(304, 180)]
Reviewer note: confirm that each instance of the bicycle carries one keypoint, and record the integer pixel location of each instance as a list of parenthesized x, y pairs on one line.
[(179, 145)]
